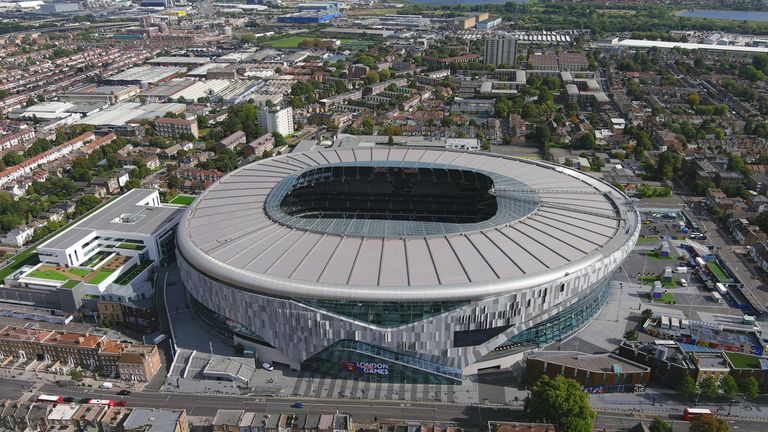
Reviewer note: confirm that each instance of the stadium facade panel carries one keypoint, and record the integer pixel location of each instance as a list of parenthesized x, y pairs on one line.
[(404, 265)]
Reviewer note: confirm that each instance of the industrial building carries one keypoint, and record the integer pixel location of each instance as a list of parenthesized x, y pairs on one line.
[(308, 17), (402, 264)]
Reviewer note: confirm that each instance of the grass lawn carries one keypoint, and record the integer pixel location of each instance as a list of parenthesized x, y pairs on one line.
[(743, 361), (289, 42), (100, 276), (131, 246), (717, 271), (79, 272), (29, 255), (646, 240), (294, 41), (183, 199), (666, 298), (655, 255), (671, 284), (71, 284), (648, 280), (48, 274)]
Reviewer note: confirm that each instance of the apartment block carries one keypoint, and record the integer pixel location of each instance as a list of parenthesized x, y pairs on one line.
[(176, 127)]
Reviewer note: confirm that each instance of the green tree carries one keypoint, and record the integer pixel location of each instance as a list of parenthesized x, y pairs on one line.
[(646, 314), (279, 139), (708, 424), (562, 402), (749, 388), (693, 99), (687, 386), (13, 158), (659, 425), (728, 386), (372, 77), (76, 375), (669, 162), (87, 202), (709, 388)]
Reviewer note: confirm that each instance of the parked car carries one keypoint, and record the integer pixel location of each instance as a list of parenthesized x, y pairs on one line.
[(267, 366), (69, 399), (297, 405)]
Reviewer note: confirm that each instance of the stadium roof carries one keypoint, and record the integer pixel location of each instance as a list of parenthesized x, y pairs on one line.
[(232, 233)]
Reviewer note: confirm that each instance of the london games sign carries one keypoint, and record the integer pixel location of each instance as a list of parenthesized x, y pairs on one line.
[(365, 368)]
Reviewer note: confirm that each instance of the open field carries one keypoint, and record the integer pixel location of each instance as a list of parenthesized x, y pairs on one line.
[(294, 41)]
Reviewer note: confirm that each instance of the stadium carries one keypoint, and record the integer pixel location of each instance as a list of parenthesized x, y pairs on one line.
[(400, 264)]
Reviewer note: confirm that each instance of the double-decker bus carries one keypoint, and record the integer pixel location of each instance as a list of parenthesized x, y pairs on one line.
[(105, 402), (50, 398), (690, 414)]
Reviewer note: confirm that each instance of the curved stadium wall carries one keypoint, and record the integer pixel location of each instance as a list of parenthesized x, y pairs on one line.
[(291, 258)]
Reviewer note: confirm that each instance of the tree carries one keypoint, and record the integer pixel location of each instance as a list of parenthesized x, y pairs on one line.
[(13, 158), (372, 78), (630, 335), (749, 387), (659, 425), (687, 386), (87, 202), (728, 386), (693, 99), (708, 424), (708, 388), (646, 314), (76, 375), (279, 139), (562, 402), (669, 162)]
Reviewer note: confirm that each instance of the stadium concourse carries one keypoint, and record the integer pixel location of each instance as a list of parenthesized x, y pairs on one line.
[(401, 265)]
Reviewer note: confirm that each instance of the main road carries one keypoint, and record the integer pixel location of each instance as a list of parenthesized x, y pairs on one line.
[(472, 417)]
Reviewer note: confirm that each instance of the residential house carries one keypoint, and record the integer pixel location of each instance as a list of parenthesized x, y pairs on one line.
[(759, 253), (19, 236), (155, 420)]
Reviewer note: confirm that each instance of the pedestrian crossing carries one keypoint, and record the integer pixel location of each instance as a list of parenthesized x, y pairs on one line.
[(309, 385)]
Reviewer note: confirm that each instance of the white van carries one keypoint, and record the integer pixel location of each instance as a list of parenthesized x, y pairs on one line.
[(106, 385), (683, 282), (681, 269)]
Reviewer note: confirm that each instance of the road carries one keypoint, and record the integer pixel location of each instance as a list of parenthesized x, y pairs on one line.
[(472, 417)]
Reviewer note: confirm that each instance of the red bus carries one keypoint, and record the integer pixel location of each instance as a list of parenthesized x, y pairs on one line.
[(50, 398), (105, 402), (689, 414)]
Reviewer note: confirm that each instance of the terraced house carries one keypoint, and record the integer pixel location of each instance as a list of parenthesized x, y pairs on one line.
[(63, 351)]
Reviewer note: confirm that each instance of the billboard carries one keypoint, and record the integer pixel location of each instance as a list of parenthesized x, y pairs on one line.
[(365, 368)]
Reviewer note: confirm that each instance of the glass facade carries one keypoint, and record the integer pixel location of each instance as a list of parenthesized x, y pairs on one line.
[(352, 359), (384, 314), (565, 323)]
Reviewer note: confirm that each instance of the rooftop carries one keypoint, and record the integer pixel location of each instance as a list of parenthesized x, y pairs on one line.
[(247, 221), (589, 362), (131, 212), (153, 420)]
